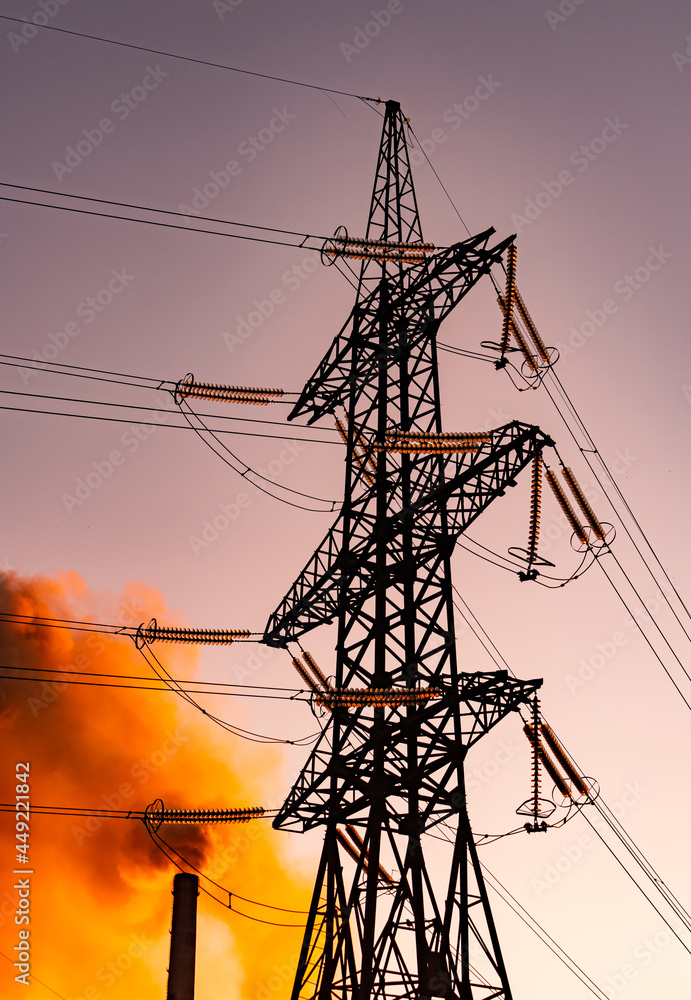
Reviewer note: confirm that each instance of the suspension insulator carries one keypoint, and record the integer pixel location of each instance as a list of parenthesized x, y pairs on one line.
[(510, 289), (356, 855), (366, 456), (358, 851), (561, 756), (536, 487), (309, 681), (360, 456), (316, 670), (546, 760), (536, 759), (583, 503), (576, 525), (519, 338), (342, 431), (525, 350), (532, 329), (548, 765)]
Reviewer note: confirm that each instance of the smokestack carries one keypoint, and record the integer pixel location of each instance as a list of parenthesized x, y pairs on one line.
[(183, 937)]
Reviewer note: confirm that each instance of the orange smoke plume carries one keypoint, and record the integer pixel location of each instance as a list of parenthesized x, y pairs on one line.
[(100, 899)]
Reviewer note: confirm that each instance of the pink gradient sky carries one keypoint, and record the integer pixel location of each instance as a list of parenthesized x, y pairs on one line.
[(555, 86)]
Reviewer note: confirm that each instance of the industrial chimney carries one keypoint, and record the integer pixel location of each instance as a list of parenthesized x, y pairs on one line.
[(183, 937)]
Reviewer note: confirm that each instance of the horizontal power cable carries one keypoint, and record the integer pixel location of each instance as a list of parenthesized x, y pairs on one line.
[(88, 811), (57, 675), (151, 423), (190, 59), (304, 237), (164, 225)]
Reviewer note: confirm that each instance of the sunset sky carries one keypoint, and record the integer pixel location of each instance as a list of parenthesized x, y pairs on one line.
[(568, 125)]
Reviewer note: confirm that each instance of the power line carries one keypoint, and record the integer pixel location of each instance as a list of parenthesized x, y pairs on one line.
[(88, 678), (630, 845), (44, 621), (148, 654), (150, 423), (154, 222), (40, 983), (159, 211), (88, 811), (593, 449), (165, 847), (170, 683), (537, 929), (192, 59)]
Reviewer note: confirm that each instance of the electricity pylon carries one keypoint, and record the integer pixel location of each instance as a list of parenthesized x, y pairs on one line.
[(399, 716)]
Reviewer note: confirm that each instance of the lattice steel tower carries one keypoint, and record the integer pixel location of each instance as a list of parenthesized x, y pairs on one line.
[(388, 765)]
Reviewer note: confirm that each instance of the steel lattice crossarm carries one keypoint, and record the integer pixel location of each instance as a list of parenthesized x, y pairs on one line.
[(462, 484), (432, 289), (483, 699)]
